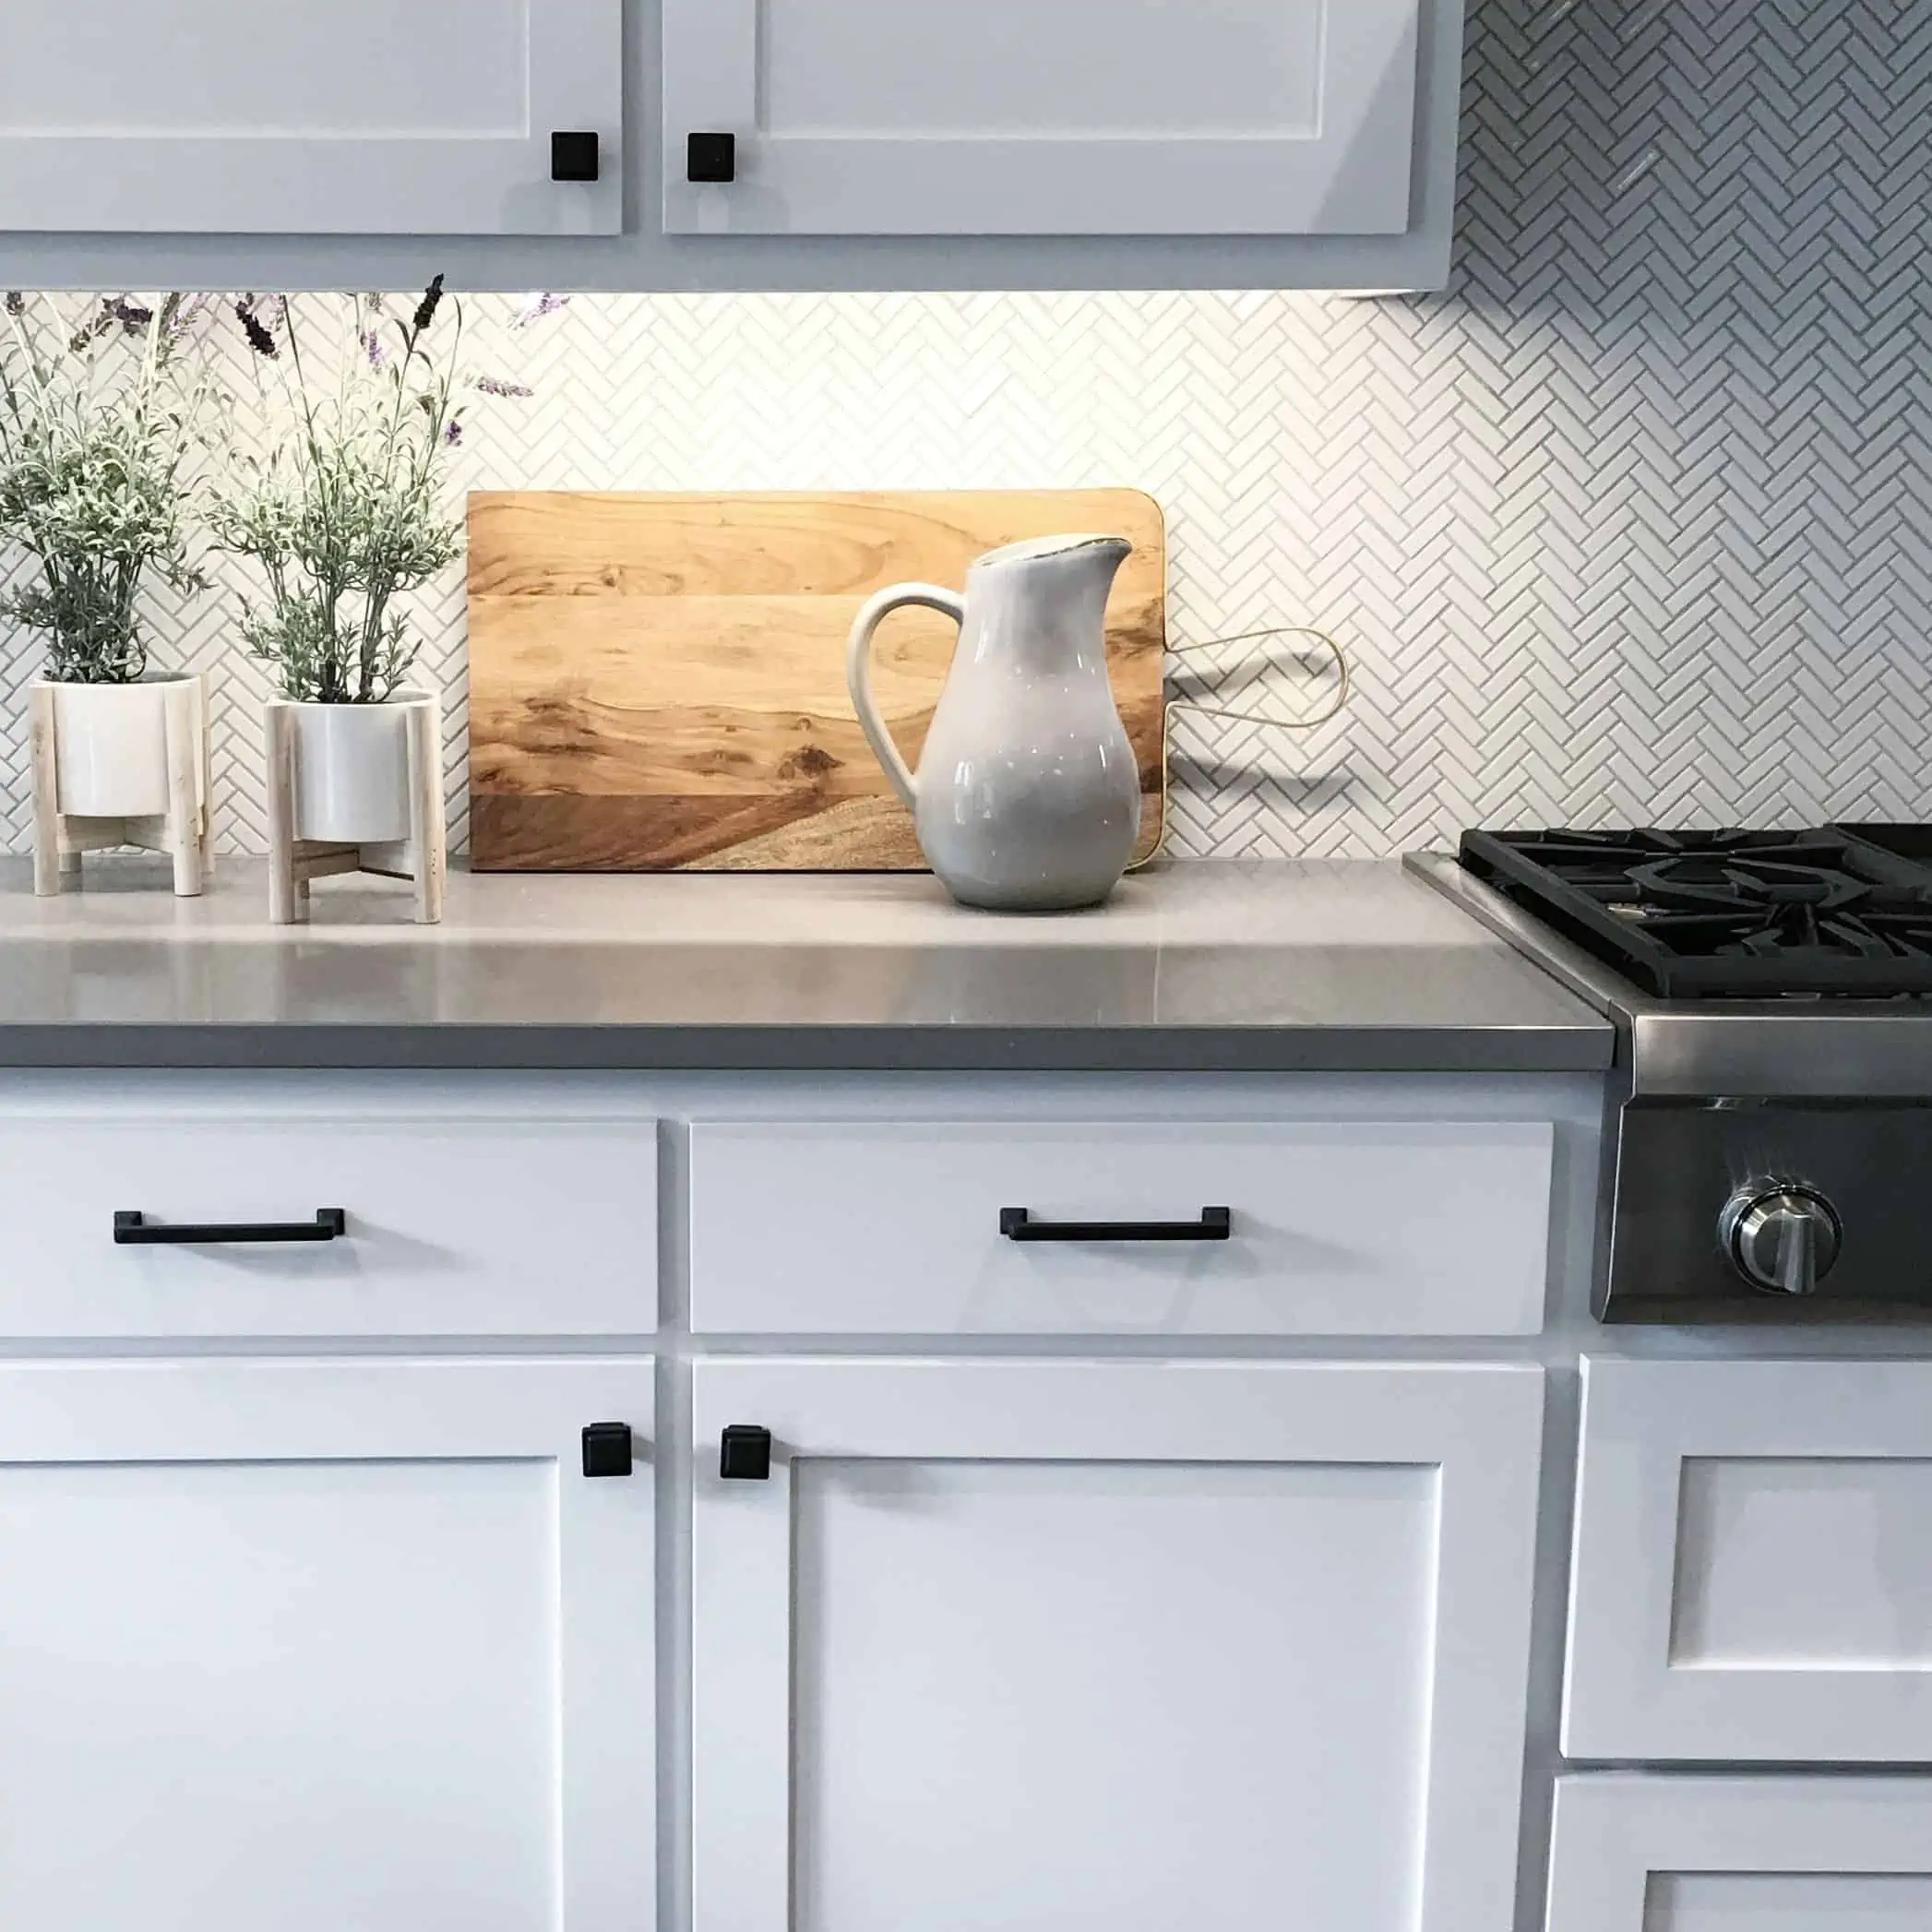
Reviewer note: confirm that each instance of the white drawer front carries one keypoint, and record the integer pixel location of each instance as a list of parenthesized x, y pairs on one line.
[(1337, 1228), (1741, 1855), (454, 1226), (1753, 1574)]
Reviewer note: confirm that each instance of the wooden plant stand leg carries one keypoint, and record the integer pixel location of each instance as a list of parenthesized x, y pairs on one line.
[(281, 770), (428, 833), (52, 866), (186, 831)]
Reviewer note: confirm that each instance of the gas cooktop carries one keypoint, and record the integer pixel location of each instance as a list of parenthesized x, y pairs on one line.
[(1843, 911)]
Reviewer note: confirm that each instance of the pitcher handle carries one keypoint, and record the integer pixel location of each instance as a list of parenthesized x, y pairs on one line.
[(858, 670)]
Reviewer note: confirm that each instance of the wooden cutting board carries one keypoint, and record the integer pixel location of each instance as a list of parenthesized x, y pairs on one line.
[(657, 682)]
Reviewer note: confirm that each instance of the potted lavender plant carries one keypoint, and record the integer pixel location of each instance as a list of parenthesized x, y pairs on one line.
[(343, 521), (101, 412)]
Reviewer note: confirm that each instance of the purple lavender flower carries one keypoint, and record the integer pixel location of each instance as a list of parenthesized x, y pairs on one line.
[(91, 330), (373, 348), (426, 308), (536, 307), (259, 339), (131, 316), (184, 317), (15, 303), (498, 385), (453, 432)]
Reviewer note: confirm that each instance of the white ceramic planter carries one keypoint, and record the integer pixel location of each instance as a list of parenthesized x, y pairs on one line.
[(110, 746), (119, 765), (352, 771), (355, 788)]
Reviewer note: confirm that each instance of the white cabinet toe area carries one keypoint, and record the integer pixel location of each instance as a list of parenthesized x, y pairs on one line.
[(1741, 1855), (320, 1645), (1126, 1644)]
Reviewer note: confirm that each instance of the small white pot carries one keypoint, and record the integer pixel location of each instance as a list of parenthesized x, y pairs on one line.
[(110, 746), (354, 788), (352, 770), (119, 765)]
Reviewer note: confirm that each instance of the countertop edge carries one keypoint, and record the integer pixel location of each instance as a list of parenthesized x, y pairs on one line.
[(791, 1048)]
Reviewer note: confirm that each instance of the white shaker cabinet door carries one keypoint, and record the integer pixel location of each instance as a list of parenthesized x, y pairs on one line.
[(1741, 1855), (1286, 118), (1048, 1645), (307, 116), (324, 1646), (1752, 1578)]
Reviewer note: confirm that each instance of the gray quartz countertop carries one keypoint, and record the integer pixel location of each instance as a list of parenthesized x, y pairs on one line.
[(1216, 965)]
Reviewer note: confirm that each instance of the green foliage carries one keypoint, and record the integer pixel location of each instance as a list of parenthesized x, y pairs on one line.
[(346, 516), (98, 422)]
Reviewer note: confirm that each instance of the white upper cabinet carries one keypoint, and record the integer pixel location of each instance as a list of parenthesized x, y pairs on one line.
[(805, 144), (1043, 117), (310, 116)]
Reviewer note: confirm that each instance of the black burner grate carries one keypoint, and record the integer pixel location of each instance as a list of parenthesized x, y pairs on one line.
[(1843, 911)]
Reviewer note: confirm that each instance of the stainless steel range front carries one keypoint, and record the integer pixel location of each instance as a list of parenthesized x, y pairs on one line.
[(1770, 1151)]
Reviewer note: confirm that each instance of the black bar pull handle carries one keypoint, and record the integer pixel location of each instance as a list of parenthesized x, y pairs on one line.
[(1215, 1224), (132, 1229)]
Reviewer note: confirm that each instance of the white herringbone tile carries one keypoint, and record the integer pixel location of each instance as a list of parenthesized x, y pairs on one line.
[(1630, 524)]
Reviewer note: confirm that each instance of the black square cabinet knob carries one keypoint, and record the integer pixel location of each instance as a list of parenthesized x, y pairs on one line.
[(573, 157), (607, 1448), (746, 1454), (710, 157)]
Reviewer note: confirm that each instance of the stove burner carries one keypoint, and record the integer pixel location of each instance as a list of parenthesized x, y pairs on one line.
[(1743, 915)]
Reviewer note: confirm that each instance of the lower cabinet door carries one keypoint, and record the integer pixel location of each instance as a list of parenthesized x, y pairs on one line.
[(1051, 1645), (1752, 1579), (1741, 1855), (325, 1647)]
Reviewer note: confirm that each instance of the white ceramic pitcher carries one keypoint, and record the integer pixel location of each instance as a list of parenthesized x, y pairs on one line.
[(1027, 798)]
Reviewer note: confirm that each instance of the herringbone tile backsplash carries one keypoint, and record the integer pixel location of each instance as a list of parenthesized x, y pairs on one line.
[(1633, 524)]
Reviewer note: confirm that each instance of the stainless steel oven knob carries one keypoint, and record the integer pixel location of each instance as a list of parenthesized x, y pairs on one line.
[(1781, 1239)]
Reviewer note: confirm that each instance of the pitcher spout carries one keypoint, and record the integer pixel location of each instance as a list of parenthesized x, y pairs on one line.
[(1045, 601), (1078, 558)]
